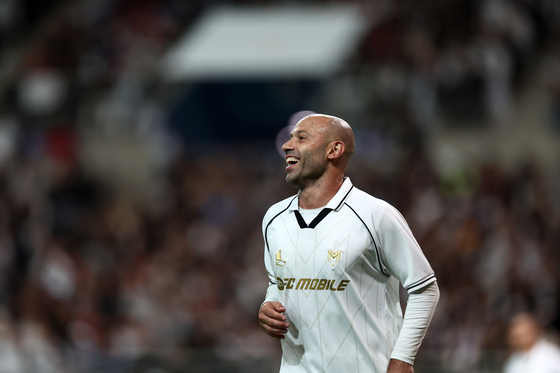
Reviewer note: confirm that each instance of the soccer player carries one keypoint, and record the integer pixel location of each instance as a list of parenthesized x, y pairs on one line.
[(335, 256)]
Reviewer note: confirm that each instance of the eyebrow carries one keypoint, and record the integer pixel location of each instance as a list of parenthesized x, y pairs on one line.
[(298, 132)]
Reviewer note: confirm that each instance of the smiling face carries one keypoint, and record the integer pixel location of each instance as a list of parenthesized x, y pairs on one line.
[(306, 151)]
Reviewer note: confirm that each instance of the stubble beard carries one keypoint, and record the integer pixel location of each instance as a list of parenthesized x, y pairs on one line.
[(313, 171)]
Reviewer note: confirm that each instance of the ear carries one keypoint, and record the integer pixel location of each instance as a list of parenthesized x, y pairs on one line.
[(336, 149)]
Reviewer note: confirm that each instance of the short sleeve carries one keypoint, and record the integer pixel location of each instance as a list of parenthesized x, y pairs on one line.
[(401, 253)]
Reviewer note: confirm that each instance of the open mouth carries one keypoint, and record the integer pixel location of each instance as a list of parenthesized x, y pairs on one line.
[(291, 160)]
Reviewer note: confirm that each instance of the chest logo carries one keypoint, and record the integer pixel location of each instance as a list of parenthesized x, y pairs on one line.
[(334, 257), (279, 261)]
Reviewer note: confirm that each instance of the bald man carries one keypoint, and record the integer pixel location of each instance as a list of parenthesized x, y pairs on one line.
[(335, 257)]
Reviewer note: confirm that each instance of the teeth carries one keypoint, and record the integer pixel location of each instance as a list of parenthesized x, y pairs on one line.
[(291, 160)]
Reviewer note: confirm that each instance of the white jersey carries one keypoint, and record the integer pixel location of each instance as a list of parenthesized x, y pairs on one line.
[(338, 278)]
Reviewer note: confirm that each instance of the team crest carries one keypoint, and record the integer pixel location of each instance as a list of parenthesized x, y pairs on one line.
[(334, 257), (279, 261)]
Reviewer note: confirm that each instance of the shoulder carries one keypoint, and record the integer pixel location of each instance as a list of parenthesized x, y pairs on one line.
[(276, 210), (547, 350), (376, 213), (365, 204)]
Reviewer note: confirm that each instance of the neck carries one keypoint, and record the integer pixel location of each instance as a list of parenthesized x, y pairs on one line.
[(320, 192)]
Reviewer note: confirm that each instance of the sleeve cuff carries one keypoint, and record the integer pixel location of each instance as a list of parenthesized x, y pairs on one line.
[(422, 283), (406, 359)]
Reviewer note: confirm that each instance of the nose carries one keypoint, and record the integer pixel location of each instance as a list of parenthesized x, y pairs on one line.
[(287, 146)]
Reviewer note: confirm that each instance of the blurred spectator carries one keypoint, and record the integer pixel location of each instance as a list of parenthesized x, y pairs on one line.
[(531, 351)]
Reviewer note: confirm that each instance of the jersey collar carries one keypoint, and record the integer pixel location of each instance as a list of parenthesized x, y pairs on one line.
[(336, 202)]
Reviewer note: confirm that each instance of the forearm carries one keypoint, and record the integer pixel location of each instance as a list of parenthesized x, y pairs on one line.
[(272, 294), (419, 311)]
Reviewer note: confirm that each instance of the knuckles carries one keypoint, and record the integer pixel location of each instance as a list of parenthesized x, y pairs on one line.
[(268, 323)]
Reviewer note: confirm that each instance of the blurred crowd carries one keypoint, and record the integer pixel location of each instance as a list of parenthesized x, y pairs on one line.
[(465, 60), (492, 237), (92, 281)]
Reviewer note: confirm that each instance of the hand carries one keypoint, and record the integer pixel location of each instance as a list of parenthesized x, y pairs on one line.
[(397, 366), (272, 320)]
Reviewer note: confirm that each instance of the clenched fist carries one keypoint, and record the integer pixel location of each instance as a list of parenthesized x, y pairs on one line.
[(272, 319)]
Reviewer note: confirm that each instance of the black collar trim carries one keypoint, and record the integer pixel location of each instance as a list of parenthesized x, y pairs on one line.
[(344, 199), (317, 220)]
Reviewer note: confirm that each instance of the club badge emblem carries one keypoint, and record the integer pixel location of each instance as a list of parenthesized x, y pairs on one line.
[(334, 257)]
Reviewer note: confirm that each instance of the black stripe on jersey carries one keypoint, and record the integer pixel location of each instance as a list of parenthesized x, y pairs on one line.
[(374, 244), (417, 286), (300, 221), (302, 224), (344, 199), (271, 220)]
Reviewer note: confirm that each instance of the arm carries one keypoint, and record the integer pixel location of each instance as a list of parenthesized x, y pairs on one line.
[(404, 260), (398, 366), (271, 313), (418, 314)]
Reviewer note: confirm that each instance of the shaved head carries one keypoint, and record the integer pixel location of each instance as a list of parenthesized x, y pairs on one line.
[(333, 129)]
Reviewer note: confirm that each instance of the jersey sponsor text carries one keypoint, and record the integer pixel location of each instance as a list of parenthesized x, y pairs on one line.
[(311, 284)]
